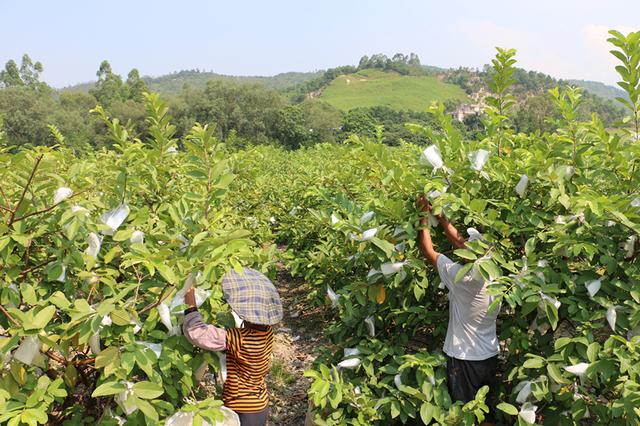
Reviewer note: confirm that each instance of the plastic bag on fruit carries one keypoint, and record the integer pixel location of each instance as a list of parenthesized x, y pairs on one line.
[(222, 359), (165, 318), (349, 363), (397, 380), (432, 155), (478, 159), (27, 350), (62, 194), (350, 352), (524, 390), (201, 295), (156, 348), (333, 297), (366, 218), (365, 236), (126, 400), (593, 287), (611, 317), (528, 413), (114, 218), (137, 237), (371, 327), (521, 187), (390, 268), (63, 274), (94, 242), (579, 369), (334, 219)]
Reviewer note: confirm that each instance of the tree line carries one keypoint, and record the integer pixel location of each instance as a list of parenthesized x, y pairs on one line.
[(251, 113)]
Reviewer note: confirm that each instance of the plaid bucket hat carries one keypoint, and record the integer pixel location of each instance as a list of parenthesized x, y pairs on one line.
[(252, 296)]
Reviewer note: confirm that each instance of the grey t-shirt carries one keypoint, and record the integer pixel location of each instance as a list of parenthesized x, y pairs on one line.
[(471, 333)]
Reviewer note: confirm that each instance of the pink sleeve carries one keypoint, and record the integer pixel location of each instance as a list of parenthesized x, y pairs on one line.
[(203, 335)]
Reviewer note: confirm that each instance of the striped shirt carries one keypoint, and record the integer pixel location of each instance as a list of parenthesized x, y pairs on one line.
[(248, 360)]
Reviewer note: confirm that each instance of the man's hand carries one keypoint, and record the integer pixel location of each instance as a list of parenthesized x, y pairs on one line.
[(424, 203), (190, 297)]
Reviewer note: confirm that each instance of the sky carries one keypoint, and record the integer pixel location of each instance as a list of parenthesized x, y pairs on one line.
[(563, 38)]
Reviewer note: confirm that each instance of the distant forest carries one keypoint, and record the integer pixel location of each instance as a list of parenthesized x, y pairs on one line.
[(258, 110)]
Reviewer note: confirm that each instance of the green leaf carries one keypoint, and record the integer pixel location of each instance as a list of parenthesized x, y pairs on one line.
[(109, 388), (592, 351), (120, 317), (466, 254), (556, 374), (384, 245), (147, 409), (462, 272), (147, 390), (426, 412), (41, 319), (507, 408)]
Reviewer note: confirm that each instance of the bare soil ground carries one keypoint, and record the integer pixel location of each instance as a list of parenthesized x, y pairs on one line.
[(297, 339)]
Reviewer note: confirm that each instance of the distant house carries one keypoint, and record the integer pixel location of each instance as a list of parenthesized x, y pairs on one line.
[(476, 107)]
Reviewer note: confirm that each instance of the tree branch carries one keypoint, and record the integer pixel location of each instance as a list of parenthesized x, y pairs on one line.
[(38, 266), (26, 187), (8, 315), (48, 208), (156, 303)]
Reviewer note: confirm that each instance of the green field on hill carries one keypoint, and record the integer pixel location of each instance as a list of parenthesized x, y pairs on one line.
[(369, 88)]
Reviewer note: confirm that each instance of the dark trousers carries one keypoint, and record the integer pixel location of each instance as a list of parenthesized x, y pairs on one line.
[(254, 419), (465, 378)]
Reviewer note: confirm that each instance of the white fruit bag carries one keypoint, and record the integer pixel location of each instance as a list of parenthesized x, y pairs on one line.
[(366, 235), (397, 380), (350, 363), (611, 317), (389, 268), (126, 400), (27, 350), (165, 316), (334, 219), (366, 218), (371, 327), (236, 319), (94, 243), (137, 237), (478, 159), (578, 369), (156, 348), (593, 287), (201, 295), (524, 390), (222, 359), (521, 187), (528, 413), (61, 194), (332, 296), (114, 218), (432, 155), (349, 352)]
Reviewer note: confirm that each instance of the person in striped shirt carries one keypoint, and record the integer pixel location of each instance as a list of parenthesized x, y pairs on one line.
[(248, 351)]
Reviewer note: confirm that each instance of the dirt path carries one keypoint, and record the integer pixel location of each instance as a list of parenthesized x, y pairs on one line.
[(296, 340)]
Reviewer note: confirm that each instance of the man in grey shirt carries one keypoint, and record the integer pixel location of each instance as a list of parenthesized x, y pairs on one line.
[(471, 344)]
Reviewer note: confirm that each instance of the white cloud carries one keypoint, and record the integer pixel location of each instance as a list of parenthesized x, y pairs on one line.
[(581, 55), (602, 63)]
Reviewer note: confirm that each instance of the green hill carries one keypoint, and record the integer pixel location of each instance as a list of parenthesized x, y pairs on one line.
[(370, 87), (600, 89), (174, 82)]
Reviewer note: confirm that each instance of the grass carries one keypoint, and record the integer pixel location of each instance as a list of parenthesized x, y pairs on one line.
[(369, 88), (280, 375)]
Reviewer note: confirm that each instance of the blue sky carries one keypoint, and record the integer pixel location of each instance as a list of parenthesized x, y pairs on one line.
[(564, 38)]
